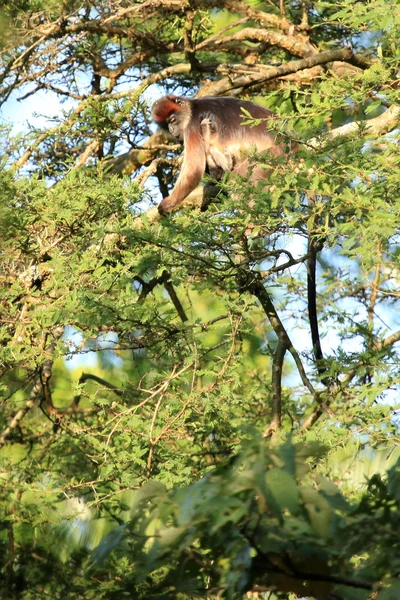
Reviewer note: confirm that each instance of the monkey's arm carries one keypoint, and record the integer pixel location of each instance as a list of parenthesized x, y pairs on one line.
[(193, 168)]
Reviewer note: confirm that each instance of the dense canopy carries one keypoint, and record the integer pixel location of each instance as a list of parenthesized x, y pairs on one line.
[(202, 405)]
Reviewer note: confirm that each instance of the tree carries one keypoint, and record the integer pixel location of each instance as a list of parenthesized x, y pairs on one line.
[(179, 418)]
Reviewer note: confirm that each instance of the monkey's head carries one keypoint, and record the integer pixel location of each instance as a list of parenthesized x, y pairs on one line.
[(172, 113)]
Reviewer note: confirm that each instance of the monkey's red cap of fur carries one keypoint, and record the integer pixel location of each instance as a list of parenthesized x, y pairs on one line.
[(163, 108)]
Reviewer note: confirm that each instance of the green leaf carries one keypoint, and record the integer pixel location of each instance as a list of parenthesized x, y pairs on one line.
[(282, 491), (106, 546), (390, 593), (319, 511)]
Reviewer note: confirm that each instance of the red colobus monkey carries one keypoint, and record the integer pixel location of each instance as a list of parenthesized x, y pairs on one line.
[(214, 139)]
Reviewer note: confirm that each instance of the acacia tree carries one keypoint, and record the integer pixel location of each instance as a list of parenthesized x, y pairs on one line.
[(210, 350)]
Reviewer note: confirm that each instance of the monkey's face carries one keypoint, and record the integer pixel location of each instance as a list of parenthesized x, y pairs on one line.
[(176, 126)]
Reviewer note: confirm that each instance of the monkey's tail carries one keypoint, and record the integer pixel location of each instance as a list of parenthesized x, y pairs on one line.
[(312, 310)]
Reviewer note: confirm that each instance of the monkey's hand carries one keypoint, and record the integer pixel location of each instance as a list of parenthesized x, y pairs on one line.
[(166, 206)]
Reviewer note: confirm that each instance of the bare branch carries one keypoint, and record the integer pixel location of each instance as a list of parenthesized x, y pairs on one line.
[(265, 73), (380, 125), (276, 389), (254, 285), (297, 45), (91, 149)]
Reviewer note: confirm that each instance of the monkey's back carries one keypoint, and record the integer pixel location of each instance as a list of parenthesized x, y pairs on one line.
[(226, 115)]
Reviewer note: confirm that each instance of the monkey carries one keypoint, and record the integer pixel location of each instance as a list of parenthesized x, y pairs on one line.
[(215, 158), (214, 139)]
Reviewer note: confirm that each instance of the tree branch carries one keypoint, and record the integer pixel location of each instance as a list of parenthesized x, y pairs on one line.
[(37, 391), (252, 283), (375, 127), (276, 389)]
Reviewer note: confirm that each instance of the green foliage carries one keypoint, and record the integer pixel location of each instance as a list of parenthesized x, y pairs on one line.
[(263, 519), (152, 444)]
